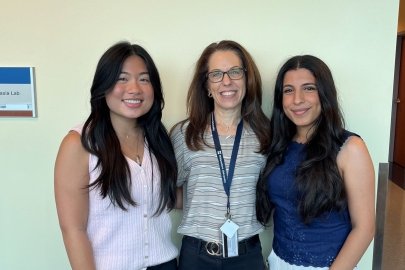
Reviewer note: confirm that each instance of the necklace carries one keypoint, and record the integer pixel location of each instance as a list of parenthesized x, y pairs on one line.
[(229, 136), (226, 125), (137, 157), (228, 132), (134, 155)]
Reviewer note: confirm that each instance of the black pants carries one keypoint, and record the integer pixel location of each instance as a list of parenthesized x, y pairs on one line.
[(193, 256), (170, 265)]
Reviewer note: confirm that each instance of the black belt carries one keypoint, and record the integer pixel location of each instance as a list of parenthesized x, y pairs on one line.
[(216, 249)]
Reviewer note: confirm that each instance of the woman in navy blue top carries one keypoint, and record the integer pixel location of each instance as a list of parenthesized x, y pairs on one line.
[(319, 178)]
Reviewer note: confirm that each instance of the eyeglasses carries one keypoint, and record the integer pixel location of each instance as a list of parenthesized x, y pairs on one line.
[(233, 74)]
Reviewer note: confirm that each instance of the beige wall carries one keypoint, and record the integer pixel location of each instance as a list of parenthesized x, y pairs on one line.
[(64, 39)]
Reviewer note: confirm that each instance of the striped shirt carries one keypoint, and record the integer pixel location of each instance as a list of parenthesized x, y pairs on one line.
[(205, 199), (132, 239)]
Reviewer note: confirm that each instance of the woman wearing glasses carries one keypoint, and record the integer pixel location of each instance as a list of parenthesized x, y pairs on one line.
[(218, 149)]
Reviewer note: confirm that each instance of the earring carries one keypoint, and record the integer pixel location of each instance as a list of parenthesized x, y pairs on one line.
[(209, 94)]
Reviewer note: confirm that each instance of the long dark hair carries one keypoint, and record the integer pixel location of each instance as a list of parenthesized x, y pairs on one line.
[(199, 105), (319, 183), (100, 139)]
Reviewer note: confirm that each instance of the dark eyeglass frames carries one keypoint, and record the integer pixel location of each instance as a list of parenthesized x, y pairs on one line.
[(235, 73)]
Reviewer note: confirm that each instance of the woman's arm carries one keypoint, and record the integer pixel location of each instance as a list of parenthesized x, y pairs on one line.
[(179, 198), (178, 140), (357, 170), (72, 200)]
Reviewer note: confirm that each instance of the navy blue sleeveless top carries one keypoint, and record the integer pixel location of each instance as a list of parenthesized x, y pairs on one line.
[(316, 244)]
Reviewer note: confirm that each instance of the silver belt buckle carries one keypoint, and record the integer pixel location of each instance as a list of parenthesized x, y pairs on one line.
[(214, 248)]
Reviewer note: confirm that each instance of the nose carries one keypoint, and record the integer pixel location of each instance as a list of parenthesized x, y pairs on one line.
[(298, 96), (226, 79), (133, 87)]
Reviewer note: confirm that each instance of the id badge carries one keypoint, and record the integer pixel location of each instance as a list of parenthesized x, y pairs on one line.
[(230, 238)]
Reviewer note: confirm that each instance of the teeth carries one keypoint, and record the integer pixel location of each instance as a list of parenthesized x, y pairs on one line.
[(228, 93), (133, 101)]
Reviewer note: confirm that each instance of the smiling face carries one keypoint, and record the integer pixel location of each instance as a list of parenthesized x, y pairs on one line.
[(227, 94), (301, 102), (132, 96)]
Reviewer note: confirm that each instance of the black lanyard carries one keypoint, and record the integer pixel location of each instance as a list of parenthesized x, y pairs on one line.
[(226, 178)]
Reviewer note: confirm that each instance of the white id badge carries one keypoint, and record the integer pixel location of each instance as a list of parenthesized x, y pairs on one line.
[(230, 238)]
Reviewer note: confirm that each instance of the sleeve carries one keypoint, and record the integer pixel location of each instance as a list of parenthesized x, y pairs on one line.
[(78, 128), (179, 145)]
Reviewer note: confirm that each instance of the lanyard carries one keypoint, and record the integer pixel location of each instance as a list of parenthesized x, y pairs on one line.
[(226, 178)]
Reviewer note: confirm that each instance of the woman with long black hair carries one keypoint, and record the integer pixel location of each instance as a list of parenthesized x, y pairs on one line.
[(115, 175), (319, 177)]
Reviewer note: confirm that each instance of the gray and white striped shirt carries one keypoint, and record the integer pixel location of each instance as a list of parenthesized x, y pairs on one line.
[(204, 195)]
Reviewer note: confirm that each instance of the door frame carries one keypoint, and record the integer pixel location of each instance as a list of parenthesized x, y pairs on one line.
[(396, 173)]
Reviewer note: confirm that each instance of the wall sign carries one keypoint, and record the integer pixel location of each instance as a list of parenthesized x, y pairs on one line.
[(17, 92)]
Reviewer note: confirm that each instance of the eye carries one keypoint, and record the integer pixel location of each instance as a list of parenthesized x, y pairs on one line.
[(235, 72), (310, 88), (144, 79), (216, 74), (122, 79), (287, 90)]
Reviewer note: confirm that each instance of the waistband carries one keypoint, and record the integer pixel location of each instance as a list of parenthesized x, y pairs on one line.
[(172, 264), (216, 248)]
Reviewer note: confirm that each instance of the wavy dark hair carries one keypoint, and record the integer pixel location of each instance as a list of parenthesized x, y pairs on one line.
[(199, 105), (100, 139), (319, 183)]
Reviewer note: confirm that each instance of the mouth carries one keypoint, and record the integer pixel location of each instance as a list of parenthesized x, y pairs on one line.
[(228, 93), (300, 111), (132, 101)]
